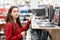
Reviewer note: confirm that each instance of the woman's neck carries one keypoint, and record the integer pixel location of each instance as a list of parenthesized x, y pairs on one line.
[(14, 20)]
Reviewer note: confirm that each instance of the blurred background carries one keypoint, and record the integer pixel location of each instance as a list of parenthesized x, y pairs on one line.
[(26, 7)]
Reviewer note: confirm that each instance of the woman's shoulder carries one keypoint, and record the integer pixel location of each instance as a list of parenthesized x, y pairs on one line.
[(9, 23)]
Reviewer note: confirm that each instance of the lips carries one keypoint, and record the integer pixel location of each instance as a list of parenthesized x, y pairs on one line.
[(16, 15)]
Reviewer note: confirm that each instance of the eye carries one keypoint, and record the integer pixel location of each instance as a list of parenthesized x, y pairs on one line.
[(15, 11)]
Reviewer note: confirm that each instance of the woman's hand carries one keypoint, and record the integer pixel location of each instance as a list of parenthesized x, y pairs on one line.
[(23, 33), (30, 18)]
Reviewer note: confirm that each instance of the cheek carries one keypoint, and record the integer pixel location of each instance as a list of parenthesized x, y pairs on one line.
[(17, 14), (13, 15)]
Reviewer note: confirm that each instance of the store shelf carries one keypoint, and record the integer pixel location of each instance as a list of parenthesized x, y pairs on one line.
[(23, 21)]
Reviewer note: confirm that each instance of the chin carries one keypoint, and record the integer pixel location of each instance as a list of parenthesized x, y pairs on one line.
[(16, 17)]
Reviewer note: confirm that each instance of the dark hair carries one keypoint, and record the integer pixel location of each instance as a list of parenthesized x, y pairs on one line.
[(10, 19)]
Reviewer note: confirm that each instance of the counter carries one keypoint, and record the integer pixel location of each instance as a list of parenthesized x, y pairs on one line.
[(54, 31)]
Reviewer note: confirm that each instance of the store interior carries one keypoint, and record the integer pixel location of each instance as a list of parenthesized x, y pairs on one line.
[(45, 24)]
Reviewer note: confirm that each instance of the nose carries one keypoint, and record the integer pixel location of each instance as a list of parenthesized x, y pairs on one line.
[(17, 13)]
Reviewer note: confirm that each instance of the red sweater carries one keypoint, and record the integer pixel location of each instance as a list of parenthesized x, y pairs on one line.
[(10, 35)]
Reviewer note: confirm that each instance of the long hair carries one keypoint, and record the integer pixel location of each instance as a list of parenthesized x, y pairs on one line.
[(10, 19)]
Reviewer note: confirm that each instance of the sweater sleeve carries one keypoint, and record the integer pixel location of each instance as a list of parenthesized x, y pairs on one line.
[(9, 33), (26, 26)]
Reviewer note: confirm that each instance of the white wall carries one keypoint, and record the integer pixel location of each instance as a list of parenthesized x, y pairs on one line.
[(33, 3), (56, 2)]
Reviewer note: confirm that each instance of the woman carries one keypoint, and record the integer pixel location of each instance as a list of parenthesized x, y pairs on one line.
[(14, 29)]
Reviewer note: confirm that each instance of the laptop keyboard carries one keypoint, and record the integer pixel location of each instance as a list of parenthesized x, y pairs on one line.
[(45, 24)]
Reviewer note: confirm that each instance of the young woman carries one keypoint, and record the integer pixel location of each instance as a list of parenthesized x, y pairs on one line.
[(14, 29)]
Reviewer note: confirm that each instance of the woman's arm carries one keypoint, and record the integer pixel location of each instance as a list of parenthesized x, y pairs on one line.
[(9, 33), (26, 26)]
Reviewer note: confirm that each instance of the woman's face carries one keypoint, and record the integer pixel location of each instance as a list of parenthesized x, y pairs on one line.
[(15, 13)]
